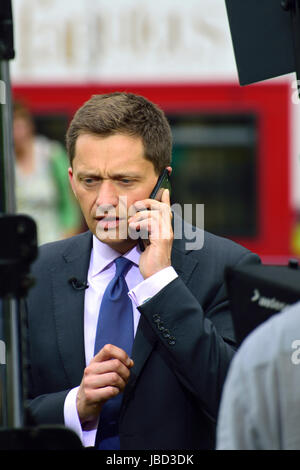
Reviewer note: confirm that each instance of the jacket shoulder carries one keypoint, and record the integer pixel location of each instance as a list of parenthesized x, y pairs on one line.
[(50, 253), (224, 247), (196, 242)]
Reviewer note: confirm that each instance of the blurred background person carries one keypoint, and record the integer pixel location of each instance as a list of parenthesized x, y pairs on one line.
[(42, 186)]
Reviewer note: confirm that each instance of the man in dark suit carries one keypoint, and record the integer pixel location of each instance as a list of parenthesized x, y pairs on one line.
[(118, 145)]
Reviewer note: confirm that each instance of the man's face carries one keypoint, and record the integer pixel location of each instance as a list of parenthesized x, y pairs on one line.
[(109, 174)]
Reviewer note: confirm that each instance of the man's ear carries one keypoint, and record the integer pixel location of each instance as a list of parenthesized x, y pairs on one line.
[(71, 179)]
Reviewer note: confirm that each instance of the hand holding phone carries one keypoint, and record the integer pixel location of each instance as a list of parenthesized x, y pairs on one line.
[(163, 182)]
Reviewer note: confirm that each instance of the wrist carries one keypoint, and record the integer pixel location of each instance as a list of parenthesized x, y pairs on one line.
[(88, 414), (152, 285), (153, 270)]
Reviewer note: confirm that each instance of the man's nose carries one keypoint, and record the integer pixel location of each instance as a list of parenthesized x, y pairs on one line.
[(107, 194)]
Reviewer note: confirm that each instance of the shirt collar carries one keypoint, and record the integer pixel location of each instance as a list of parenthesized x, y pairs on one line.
[(103, 255)]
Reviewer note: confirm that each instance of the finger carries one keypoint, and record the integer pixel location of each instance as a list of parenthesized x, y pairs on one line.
[(160, 217), (147, 204), (110, 379), (95, 396), (148, 224), (113, 365), (141, 215), (166, 197), (109, 351), (151, 210), (153, 228)]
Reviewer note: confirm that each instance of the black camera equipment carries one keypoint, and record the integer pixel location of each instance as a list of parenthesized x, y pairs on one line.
[(266, 42), (266, 38), (18, 249), (257, 292)]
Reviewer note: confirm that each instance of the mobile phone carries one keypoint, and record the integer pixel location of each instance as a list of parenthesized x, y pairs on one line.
[(163, 182)]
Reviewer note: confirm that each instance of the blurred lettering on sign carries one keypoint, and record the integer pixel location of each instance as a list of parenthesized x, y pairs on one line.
[(100, 40)]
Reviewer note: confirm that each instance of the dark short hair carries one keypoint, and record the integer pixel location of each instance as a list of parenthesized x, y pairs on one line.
[(127, 114)]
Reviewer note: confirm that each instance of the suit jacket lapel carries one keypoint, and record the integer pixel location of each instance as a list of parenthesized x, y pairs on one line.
[(69, 305), (182, 260), (184, 265)]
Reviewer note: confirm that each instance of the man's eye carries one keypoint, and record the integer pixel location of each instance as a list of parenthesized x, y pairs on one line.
[(125, 181), (89, 181)]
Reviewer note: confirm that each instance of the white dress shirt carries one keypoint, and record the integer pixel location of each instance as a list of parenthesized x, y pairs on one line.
[(101, 271)]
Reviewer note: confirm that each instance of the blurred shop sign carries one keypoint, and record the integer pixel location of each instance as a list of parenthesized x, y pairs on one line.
[(121, 40)]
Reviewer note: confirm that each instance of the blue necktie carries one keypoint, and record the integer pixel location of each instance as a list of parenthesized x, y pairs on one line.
[(115, 326)]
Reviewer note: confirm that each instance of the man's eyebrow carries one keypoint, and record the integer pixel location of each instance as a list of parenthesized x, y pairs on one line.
[(115, 176), (118, 176), (88, 174)]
